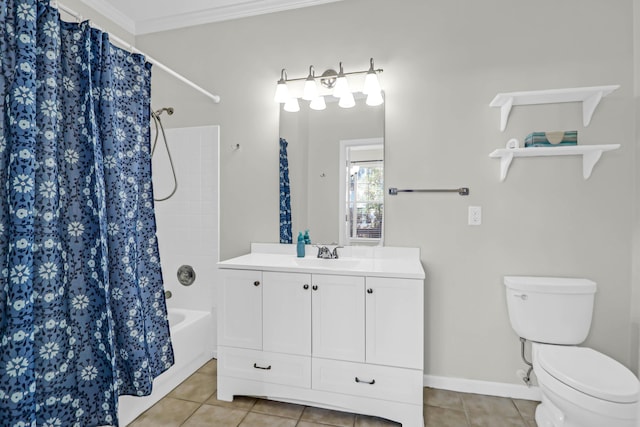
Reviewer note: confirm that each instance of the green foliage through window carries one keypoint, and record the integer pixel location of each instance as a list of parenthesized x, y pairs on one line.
[(365, 200)]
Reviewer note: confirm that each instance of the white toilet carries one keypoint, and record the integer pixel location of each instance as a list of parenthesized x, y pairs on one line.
[(580, 386)]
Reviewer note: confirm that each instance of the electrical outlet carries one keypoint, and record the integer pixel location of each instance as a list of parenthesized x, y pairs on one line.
[(475, 215)]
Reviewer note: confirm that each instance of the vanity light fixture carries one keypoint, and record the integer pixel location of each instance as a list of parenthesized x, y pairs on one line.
[(332, 82)]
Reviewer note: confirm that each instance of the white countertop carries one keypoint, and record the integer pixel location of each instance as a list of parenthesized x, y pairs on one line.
[(355, 261)]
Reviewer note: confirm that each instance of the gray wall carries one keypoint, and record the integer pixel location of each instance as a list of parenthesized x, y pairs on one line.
[(444, 61)]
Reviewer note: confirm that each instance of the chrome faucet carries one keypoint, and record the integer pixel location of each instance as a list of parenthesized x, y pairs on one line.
[(334, 254), (325, 253)]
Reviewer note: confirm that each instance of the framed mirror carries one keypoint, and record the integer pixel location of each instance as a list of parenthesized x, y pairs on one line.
[(337, 202)]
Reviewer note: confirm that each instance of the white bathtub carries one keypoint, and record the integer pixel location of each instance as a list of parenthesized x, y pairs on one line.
[(192, 333)]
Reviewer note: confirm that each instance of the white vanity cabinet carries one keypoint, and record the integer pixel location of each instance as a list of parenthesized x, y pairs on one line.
[(343, 340)]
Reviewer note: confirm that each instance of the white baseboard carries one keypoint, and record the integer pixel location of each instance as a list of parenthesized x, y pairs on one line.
[(514, 391)]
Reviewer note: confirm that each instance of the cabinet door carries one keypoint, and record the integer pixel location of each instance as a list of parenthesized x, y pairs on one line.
[(395, 324), (240, 309), (286, 309), (337, 307)]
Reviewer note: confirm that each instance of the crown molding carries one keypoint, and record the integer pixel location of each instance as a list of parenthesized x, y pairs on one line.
[(207, 15), (223, 13), (116, 15)]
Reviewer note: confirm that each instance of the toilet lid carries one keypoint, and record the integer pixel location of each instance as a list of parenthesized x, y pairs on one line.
[(590, 372)]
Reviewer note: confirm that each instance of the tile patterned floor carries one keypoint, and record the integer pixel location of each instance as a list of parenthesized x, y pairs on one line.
[(194, 404)]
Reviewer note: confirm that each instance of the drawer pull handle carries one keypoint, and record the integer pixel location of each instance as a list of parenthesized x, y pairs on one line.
[(256, 283), (372, 382), (369, 291), (255, 365), (305, 287), (314, 287)]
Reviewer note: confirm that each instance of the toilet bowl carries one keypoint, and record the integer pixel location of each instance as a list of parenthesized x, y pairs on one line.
[(583, 388), (580, 387)]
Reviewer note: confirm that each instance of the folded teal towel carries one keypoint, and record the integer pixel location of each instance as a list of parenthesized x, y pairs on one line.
[(551, 139)]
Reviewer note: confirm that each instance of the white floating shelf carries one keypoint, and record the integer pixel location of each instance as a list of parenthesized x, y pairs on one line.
[(589, 96), (590, 155)]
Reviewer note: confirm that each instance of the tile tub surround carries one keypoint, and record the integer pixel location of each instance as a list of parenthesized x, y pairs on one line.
[(194, 403)]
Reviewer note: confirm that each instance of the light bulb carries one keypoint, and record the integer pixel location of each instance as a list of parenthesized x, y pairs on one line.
[(347, 101), (310, 91), (282, 92), (292, 105), (374, 98), (318, 103), (342, 87), (371, 84)]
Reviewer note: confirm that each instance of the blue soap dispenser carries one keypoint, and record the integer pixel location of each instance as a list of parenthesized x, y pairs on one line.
[(300, 247)]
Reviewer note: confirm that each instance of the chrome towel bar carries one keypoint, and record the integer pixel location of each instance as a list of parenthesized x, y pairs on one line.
[(463, 191)]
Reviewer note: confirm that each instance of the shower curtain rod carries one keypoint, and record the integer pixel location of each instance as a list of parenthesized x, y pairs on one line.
[(130, 47)]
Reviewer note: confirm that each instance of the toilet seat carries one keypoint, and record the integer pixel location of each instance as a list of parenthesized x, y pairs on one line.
[(589, 372)]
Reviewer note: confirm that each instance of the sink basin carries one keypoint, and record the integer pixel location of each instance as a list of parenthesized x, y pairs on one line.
[(341, 263)]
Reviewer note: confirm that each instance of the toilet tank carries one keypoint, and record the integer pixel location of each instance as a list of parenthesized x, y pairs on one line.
[(550, 310)]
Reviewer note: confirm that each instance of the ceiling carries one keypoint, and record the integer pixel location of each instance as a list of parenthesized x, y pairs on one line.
[(149, 16)]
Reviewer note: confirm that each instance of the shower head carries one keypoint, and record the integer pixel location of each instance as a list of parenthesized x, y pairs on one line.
[(169, 111)]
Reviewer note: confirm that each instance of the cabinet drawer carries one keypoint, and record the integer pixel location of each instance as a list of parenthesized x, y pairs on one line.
[(258, 365), (378, 382)]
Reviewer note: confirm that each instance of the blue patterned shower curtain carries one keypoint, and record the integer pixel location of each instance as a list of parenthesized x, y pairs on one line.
[(285, 195), (82, 311)]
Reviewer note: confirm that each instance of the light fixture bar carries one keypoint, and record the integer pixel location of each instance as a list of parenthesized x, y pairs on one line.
[(379, 70)]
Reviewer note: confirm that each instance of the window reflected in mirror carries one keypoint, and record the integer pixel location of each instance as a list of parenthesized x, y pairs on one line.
[(364, 193), (365, 201)]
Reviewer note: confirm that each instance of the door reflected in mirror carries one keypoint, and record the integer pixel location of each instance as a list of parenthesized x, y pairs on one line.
[(325, 199)]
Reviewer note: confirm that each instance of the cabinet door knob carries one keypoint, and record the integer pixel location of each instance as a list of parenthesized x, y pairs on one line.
[(305, 286), (314, 287), (372, 382), (255, 365), (256, 283), (369, 291)]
